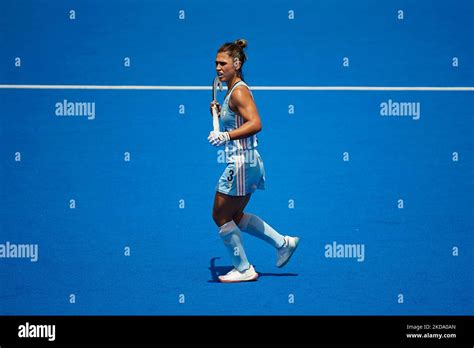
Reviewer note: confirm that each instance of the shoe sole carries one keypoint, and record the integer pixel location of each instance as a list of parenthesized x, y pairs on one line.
[(297, 241), (253, 278)]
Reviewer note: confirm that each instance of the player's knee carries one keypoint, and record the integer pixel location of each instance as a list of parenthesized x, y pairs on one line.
[(220, 217), (238, 216), (217, 217)]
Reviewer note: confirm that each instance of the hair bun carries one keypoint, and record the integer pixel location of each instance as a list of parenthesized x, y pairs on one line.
[(241, 42)]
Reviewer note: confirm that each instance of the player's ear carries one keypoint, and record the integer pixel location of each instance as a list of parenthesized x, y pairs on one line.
[(237, 63)]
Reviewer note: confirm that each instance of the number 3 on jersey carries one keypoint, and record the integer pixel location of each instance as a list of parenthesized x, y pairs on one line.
[(231, 175)]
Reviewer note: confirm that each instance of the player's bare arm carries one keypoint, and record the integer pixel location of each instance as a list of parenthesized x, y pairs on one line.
[(242, 102)]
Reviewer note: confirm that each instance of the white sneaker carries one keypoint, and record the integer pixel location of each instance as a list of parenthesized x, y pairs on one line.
[(235, 276), (285, 252)]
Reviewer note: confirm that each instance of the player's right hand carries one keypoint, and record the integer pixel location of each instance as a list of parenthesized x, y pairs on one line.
[(217, 106)]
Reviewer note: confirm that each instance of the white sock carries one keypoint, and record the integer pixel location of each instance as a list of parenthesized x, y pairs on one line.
[(230, 234), (255, 226)]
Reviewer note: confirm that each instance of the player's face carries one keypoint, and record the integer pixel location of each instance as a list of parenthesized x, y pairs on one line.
[(224, 67)]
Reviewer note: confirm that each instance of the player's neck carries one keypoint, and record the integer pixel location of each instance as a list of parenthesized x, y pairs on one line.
[(232, 82)]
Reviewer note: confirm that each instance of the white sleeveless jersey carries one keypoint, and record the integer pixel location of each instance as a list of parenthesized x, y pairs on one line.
[(230, 121)]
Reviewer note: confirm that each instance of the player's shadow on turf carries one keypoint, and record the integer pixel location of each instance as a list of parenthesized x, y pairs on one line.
[(216, 271)]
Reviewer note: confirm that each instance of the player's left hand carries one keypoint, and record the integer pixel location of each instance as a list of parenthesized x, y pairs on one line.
[(218, 138)]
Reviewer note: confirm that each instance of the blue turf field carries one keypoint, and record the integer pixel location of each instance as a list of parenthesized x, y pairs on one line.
[(177, 251)]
